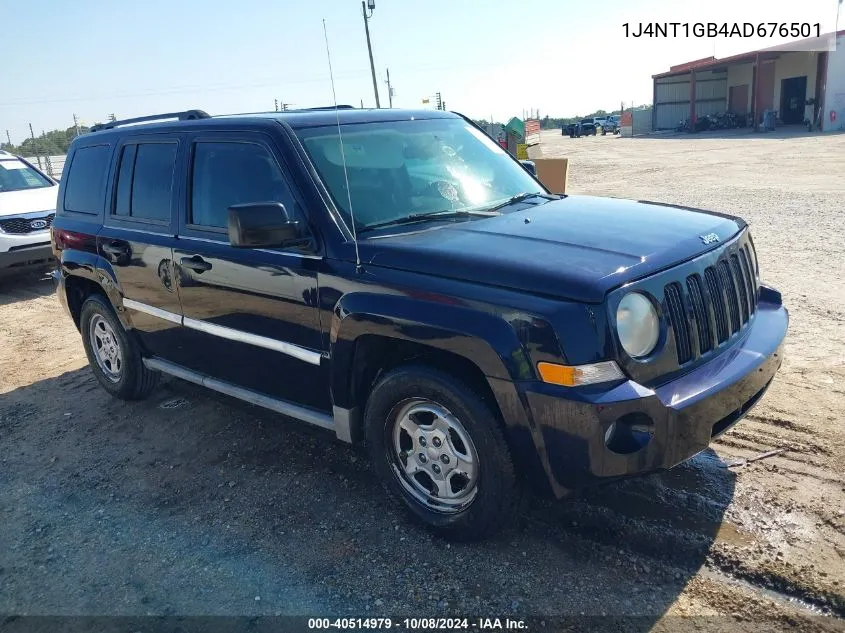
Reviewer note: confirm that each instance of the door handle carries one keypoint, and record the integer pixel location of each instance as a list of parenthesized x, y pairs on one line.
[(195, 263)]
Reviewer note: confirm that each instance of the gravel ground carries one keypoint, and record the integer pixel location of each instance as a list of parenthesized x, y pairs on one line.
[(191, 503)]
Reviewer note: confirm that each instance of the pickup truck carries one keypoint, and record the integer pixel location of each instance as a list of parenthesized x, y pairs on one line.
[(589, 127), (610, 125)]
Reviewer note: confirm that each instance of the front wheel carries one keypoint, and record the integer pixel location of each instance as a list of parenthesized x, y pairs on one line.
[(441, 451)]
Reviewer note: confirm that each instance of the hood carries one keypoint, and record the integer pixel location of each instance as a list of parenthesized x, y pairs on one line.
[(28, 200), (577, 248)]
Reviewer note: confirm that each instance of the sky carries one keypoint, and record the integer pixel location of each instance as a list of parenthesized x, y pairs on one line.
[(487, 58)]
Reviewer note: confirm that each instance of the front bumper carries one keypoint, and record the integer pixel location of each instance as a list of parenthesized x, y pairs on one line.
[(23, 255), (570, 425)]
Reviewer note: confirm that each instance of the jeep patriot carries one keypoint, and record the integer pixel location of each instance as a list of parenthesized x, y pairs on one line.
[(397, 278)]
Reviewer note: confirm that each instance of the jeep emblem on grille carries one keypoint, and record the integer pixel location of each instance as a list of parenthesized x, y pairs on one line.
[(38, 224), (709, 238)]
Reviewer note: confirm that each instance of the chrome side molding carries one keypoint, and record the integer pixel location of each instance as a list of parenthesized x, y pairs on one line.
[(156, 312), (253, 339), (301, 353)]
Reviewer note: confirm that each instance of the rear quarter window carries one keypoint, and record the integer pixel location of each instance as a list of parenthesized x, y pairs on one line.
[(86, 180)]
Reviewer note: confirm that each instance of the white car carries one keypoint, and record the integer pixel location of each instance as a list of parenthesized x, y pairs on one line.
[(27, 207)]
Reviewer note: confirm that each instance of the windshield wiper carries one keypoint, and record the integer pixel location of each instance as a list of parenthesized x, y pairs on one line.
[(431, 215), (523, 196)]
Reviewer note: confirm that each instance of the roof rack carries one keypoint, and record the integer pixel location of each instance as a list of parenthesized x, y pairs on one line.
[(187, 115), (331, 107)]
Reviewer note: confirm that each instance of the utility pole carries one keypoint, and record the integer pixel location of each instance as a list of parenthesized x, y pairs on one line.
[(8, 138), (389, 89), (362, 104), (76, 124), (372, 6), (48, 166), (35, 147)]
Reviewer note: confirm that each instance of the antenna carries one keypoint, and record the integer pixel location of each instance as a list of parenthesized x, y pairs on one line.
[(342, 154)]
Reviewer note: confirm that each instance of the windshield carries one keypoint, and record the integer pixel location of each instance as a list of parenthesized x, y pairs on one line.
[(16, 175), (401, 168)]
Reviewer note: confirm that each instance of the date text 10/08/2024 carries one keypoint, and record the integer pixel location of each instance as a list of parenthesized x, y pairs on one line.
[(722, 29), (419, 624)]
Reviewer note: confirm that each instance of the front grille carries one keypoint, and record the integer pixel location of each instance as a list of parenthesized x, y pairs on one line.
[(21, 226), (677, 316), (700, 312), (704, 313)]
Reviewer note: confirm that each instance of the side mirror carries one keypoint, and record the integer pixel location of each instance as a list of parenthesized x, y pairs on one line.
[(261, 225), (530, 167)]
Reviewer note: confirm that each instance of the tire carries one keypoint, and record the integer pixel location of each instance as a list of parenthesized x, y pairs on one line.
[(482, 495), (114, 356)]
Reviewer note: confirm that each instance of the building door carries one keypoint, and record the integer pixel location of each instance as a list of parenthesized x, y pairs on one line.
[(793, 93), (738, 99)]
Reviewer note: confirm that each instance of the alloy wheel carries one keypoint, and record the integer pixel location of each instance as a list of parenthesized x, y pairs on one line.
[(106, 347), (433, 456)]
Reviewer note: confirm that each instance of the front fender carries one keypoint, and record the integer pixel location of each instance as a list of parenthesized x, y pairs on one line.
[(483, 338)]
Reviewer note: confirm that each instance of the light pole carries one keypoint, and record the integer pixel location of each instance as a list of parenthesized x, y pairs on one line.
[(371, 5)]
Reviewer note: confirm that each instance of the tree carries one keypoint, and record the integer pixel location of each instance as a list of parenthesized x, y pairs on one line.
[(51, 143)]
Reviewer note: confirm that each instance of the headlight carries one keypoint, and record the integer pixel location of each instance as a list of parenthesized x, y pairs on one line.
[(637, 325)]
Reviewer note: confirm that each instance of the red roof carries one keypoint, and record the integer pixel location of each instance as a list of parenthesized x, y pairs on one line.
[(822, 42), (688, 65)]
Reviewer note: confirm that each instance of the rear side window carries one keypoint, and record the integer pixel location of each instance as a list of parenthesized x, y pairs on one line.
[(145, 182), (232, 173), (86, 180)]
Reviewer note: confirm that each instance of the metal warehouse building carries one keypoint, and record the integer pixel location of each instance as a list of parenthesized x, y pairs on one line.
[(782, 78)]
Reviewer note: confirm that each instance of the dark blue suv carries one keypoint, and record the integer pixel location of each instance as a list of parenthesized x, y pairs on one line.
[(395, 277)]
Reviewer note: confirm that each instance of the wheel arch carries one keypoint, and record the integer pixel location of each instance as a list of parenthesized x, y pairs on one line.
[(77, 290), (372, 334), (83, 274)]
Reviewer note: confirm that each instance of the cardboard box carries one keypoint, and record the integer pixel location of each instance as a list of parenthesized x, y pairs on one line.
[(552, 172)]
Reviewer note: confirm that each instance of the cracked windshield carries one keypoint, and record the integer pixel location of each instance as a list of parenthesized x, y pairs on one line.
[(401, 168)]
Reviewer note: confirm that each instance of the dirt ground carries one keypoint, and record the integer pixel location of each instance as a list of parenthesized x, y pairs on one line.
[(191, 503)]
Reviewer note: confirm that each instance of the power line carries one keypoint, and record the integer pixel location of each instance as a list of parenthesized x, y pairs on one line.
[(222, 87), (174, 91)]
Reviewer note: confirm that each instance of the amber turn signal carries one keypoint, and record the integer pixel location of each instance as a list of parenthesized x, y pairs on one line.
[(574, 376)]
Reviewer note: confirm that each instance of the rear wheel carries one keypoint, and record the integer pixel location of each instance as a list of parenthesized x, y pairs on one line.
[(113, 355), (441, 451)]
